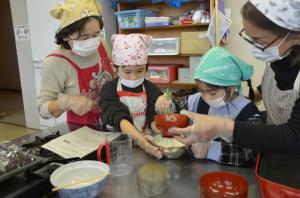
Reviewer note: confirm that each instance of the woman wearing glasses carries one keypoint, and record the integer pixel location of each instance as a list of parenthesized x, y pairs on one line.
[(273, 30), (74, 73)]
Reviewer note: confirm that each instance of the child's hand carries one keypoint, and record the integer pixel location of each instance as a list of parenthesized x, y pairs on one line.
[(200, 150), (150, 148), (162, 104), (154, 128)]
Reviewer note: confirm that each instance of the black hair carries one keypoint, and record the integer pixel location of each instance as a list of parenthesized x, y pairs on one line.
[(72, 28), (227, 92), (251, 13)]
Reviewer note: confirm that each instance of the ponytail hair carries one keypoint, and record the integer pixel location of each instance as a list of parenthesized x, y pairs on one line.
[(251, 91)]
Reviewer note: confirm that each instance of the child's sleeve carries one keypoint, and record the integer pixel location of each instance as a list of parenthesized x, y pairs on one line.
[(180, 103), (112, 109), (153, 92), (250, 114), (229, 152)]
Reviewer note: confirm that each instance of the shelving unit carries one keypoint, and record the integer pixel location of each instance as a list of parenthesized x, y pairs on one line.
[(168, 27), (177, 85), (168, 31)]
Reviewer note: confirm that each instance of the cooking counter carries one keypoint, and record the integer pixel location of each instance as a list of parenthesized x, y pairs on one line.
[(183, 176)]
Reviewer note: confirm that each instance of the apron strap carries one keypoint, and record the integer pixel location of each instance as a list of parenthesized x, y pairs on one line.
[(297, 82), (66, 58)]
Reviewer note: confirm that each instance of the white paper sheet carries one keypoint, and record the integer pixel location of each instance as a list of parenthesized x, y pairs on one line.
[(225, 23), (79, 143)]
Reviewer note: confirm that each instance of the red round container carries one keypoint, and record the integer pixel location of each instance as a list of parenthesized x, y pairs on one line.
[(165, 121), (223, 184)]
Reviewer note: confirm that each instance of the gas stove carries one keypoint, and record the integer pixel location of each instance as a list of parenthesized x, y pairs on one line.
[(34, 182), (35, 148)]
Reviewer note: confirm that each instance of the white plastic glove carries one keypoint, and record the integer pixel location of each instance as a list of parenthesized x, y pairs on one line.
[(162, 104), (200, 150), (150, 148), (80, 105), (204, 128)]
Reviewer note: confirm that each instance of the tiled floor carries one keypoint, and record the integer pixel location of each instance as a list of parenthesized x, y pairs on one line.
[(12, 117), (10, 132)]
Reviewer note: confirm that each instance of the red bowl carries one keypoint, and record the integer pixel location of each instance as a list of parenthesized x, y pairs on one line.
[(165, 121), (223, 184)]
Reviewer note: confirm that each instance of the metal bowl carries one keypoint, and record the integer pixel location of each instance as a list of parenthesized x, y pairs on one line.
[(174, 152), (169, 152)]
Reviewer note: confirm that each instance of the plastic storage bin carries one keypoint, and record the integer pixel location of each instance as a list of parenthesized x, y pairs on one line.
[(157, 21), (164, 46), (162, 73), (278, 175), (133, 18)]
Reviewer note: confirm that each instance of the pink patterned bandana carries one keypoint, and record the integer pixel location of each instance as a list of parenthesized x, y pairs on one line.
[(131, 49)]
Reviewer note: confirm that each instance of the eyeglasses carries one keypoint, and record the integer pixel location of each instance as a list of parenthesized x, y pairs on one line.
[(247, 38)]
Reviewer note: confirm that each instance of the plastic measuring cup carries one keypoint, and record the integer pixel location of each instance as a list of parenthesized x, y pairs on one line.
[(118, 155)]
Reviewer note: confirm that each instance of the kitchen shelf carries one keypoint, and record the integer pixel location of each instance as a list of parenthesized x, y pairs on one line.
[(177, 85), (138, 3), (171, 31), (167, 27)]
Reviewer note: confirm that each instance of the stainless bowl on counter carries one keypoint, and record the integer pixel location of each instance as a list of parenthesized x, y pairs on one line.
[(173, 153), (170, 147)]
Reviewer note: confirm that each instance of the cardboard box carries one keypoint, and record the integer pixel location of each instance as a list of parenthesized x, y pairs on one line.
[(184, 75), (193, 35), (194, 62), (199, 46), (192, 73), (194, 43)]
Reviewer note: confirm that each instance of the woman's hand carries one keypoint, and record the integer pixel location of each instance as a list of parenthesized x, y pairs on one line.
[(162, 104), (150, 148), (200, 150), (204, 129), (80, 105)]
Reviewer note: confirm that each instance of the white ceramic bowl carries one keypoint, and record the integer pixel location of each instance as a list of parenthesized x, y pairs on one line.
[(78, 171)]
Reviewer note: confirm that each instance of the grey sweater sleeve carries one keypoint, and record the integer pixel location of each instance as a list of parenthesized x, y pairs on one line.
[(54, 75)]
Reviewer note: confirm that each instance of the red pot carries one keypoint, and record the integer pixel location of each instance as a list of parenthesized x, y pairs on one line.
[(165, 121)]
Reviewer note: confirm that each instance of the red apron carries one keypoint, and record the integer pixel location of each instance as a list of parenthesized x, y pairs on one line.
[(90, 82), (137, 104)]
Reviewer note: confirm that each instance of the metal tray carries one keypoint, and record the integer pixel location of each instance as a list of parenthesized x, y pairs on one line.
[(22, 169)]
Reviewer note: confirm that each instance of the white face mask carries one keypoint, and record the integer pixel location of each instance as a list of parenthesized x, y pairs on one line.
[(216, 103), (86, 47), (132, 83), (270, 54)]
